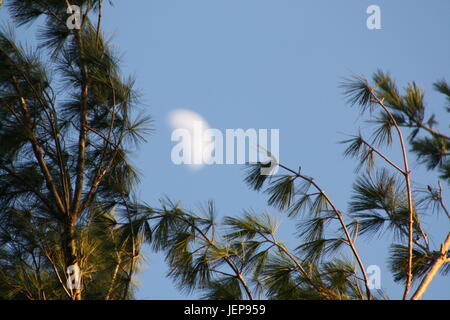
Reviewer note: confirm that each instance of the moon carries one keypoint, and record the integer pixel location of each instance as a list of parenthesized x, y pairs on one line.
[(201, 143)]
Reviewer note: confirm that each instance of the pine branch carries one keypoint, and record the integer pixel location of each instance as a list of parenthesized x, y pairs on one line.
[(190, 222), (407, 175), (37, 148), (53, 122), (439, 261), (31, 189), (320, 289), (100, 174), (383, 156), (433, 131), (341, 220)]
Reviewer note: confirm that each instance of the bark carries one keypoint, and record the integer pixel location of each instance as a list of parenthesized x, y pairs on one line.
[(71, 257), (437, 264)]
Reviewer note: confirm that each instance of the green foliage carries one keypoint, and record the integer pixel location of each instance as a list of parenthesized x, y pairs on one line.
[(358, 92), (253, 178), (359, 149), (281, 192), (32, 260), (409, 111), (443, 87), (379, 204), (67, 124), (433, 152), (226, 288), (398, 262)]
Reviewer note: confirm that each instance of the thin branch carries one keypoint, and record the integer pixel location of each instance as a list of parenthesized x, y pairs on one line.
[(441, 200), (53, 122), (37, 148), (358, 288), (100, 4), (134, 255), (227, 259), (426, 128), (100, 174), (341, 220), (298, 266), (407, 175), (383, 156), (223, 273), (116, 269), (31, 189), (356, 231), (55, 269), (82, 139)]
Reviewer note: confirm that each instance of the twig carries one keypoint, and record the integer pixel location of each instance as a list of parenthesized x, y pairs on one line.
[(383, 156), (100, 3), (407, 175), (441, 200)]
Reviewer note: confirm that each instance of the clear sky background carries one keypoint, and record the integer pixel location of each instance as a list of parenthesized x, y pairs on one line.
[(275, 65)]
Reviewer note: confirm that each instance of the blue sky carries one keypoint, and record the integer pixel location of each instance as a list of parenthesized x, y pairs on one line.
[(275, 65)]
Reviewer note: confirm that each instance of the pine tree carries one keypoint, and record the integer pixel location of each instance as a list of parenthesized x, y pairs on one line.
[(67, 125)]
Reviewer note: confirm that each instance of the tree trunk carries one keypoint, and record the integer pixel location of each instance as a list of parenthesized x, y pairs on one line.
[(73, 271)]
